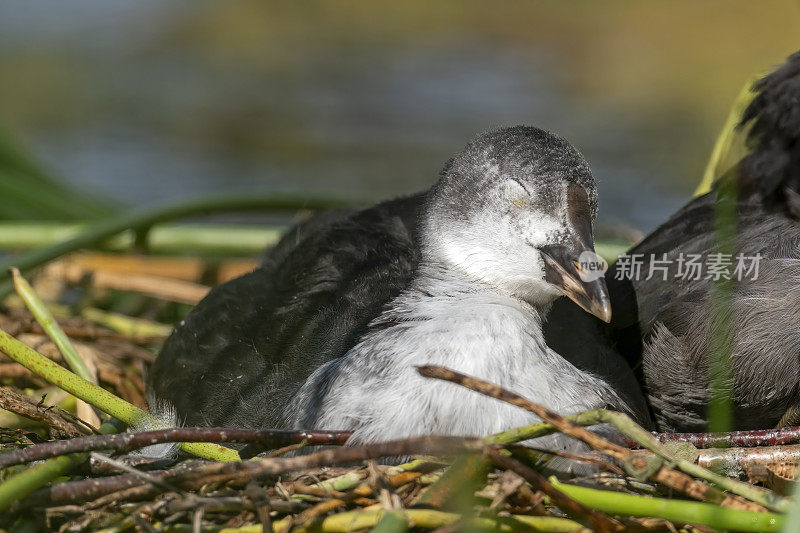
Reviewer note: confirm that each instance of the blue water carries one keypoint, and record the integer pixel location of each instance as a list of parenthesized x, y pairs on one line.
[(163, 121)]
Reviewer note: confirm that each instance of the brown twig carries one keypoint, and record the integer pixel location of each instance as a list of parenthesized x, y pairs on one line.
[(563, 425), (149, 464), (141, 492), (124, 442), (663, 474), (589, 457), (72, 492), (601, 521), (321, 508), (249, 470), (17, 403), (259, 499), (119, 465), (754, 462), (196, 474), (228, 503), (736, 439)]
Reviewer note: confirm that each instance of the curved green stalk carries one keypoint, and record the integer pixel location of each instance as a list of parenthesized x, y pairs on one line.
[(204, 239), (391, 522), (45, 319), (99, 397), (679, 511), (793, 517), (351, 480), (472, 470), (627, 426), (123, 324), (511, 436), (126, 325), (141, 221), (729, 147)]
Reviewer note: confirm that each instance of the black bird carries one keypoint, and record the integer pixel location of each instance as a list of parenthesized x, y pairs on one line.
[(665, 325), (327, 332)]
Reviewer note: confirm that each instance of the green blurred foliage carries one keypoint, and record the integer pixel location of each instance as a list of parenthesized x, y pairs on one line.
[(28, 193), (675, 67)]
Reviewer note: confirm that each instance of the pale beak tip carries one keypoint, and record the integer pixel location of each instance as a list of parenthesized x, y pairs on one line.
[(602, 310)]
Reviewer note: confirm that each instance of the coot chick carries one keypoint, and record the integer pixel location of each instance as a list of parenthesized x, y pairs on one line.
[(665, 326), (327, 333)]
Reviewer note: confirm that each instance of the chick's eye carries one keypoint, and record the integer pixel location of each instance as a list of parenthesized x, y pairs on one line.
[(518, 196)]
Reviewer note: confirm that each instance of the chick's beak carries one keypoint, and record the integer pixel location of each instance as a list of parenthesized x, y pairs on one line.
[(578, 274)]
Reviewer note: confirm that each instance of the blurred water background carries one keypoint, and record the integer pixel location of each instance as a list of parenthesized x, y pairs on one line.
[(148, 101)]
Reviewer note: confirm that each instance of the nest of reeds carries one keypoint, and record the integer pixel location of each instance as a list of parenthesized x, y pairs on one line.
[(70, 465)]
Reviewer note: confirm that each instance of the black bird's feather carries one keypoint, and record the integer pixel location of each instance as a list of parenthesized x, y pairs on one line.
[(241, 355), (664, 327)]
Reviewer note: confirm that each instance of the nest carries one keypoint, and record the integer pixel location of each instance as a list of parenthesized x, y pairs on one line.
[(65, 469)]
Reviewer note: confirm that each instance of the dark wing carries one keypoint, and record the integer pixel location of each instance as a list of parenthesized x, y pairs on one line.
[(674, 328), (771, 170), (584, 340), (240, 356), (664, 324), (768, 183)]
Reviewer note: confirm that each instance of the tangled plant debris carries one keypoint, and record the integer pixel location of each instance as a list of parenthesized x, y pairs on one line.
[(60, 471)]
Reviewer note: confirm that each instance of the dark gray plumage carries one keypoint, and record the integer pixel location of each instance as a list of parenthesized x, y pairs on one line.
[(664, 327), (240, 356)]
